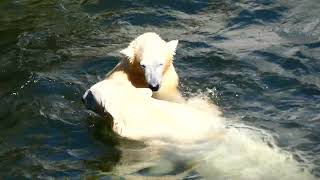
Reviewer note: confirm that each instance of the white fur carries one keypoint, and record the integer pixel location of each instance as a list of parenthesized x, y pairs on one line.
[(198, 135), (149, 47), (148, 64), (140, 117)]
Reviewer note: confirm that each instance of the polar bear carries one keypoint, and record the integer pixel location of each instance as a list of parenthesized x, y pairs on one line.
[(136, 115), (201, 138), (148, 64)]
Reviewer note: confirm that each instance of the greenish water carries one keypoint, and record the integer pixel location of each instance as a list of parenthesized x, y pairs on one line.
[(261, 59)]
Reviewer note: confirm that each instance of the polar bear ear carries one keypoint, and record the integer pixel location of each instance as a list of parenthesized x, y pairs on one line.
[(128, 52), (145, 92), (172, 45)]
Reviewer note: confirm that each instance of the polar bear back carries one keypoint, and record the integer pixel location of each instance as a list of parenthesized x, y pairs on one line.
[(137, 115)]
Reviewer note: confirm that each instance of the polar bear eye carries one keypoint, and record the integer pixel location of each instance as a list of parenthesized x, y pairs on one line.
[(161, 64)]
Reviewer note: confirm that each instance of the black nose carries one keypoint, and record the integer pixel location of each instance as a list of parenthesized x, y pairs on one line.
[(154, 87)]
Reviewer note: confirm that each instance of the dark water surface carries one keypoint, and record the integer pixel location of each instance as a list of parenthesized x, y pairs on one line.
[(260, 58)]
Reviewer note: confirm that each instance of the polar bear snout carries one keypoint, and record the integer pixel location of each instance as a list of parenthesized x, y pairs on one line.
[(154, 87), (154, 81), (153, 75)]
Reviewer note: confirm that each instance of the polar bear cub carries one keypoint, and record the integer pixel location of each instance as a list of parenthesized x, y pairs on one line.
[(148, 63), (136, 115)]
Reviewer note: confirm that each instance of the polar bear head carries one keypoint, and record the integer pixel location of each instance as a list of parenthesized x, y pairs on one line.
[(150, 56)]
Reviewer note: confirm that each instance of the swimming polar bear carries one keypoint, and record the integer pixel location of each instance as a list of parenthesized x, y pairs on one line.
[(148, 63), (136, 115), (184, 133)]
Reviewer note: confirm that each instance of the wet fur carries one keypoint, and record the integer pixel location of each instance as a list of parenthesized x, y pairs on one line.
[(129, 69)]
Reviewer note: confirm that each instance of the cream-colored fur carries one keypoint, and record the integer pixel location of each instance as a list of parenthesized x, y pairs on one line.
[(198, 136), (150, 49), (136, 115)]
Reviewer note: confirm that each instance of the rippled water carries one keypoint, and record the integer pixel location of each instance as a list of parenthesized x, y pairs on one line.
[(260, 58)]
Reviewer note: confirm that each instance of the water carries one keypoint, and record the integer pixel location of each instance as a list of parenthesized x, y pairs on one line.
[(259, 58)]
